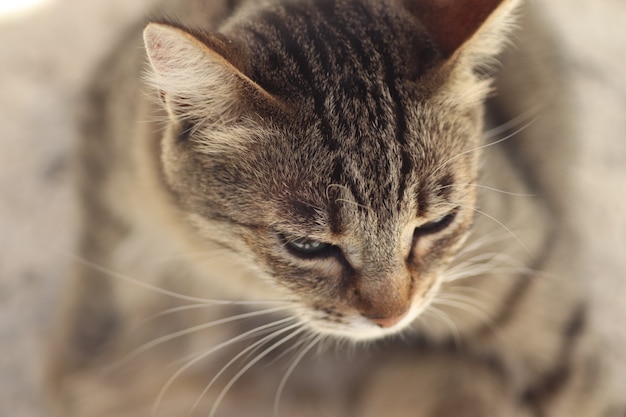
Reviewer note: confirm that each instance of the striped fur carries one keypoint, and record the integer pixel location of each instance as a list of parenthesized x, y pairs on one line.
[(354, 124)]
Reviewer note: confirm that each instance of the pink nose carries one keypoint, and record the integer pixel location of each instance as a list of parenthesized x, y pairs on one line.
[(386, 322)]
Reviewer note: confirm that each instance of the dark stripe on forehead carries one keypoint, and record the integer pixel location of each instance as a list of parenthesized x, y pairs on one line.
[(364, 54), (355, 41), (295, 52), (381, 50), (313, 33), (422, 201), (338, 177), (406, 168), (444, 187), (351, 55), (335, 222), (426, 191), (390, 76)]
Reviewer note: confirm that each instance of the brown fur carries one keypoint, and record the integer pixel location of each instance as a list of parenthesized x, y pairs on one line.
[(356, 124)]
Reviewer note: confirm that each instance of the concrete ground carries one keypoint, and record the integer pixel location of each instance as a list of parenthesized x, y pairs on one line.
[(46, 56)]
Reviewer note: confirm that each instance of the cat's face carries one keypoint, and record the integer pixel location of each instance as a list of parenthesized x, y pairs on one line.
[(341, 162), (360, 234)]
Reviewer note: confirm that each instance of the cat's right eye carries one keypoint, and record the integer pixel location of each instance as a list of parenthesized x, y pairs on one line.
[(308, 248)]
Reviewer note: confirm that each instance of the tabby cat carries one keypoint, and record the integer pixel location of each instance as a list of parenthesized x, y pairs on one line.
[(319, 208)]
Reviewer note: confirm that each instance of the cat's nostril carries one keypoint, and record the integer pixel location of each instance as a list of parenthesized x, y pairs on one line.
[(387, 322)]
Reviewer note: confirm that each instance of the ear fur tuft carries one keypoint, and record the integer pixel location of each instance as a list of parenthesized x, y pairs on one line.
[(469, 35), (190, 76), (470, 30), (199, 85)]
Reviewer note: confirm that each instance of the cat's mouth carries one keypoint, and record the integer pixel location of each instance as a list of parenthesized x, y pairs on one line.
[(355, 326)]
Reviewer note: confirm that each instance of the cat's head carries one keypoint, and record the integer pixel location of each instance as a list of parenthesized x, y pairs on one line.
[(333, 144)]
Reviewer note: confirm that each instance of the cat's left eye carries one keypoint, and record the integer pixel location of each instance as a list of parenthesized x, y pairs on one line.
[(436, 225), (307, 247)]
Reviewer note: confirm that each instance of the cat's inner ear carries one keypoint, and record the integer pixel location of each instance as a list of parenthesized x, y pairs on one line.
[(198, 76), (457, 25)]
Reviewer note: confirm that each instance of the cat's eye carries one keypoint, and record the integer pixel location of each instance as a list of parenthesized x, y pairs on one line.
[(307, 247), (435, 226)]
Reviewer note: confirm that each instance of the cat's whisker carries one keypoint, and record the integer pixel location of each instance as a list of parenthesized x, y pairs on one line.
[(478, 305), (454, 331), (475, 254), (490, 261), (316, 208), (250, 364), (497, 272), (450, 296), (175, 310), (465, 307), (205, 305), (163, 339), (503, 272), (529, 115), (490, 264), (345, 200), (478, 245), (487, 259), (260, 331), (324, 344), (141, 284), (424, 323), (287, 351), (461, 288), (470, 308), (252, 348), (476, 295), (482, 147), (215, 252), (283, 382), (485, 187), (487, 262), (501, 224), (204, 354)]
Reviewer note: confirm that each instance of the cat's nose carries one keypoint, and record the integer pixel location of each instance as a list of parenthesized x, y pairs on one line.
[(387, 322)]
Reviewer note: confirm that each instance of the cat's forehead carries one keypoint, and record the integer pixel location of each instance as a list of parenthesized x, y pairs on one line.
[(330, 47), (361, 142), (351, 187)]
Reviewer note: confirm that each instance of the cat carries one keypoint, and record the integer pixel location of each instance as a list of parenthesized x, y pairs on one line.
[(320, 208)]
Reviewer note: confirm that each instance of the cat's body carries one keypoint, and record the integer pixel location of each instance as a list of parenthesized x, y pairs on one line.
[(347, 123)]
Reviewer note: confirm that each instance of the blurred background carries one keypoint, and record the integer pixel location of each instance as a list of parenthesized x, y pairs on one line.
[(49, 48)]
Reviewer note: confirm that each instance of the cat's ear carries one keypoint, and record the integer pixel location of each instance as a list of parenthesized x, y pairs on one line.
[(198, 75), (472, 28)]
